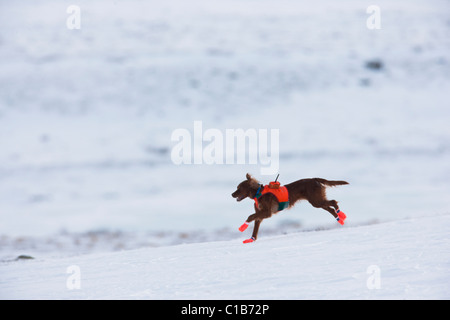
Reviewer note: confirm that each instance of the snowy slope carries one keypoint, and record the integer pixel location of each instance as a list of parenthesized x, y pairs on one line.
[(86, 118), (403, 259)]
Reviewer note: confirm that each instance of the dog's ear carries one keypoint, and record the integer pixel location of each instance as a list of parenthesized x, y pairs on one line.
[(253, 182)]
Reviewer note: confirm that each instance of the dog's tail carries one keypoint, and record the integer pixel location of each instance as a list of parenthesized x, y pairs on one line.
[(331, 183)]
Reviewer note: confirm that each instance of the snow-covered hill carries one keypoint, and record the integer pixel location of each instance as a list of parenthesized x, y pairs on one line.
[(403, 259)]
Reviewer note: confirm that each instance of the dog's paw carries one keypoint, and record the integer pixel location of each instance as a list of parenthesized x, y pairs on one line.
[(249, 240), (243, 227), (341, 217)]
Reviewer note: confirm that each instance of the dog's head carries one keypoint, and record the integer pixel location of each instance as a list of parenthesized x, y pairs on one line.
[(246, 188)]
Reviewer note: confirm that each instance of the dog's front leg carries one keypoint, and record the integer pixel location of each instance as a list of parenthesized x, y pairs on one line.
[(259, 216), (252, 217), (255, 232), (247, 222), (255, 229)]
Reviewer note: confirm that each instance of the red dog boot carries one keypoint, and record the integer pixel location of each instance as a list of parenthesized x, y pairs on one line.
[(341, 217), (249, 240), (243, 227)]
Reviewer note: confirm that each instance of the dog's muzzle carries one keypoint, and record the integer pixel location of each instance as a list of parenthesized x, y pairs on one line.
[(238, 198)]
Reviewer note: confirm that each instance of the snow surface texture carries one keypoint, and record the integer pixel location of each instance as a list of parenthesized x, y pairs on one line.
[(86, 118), (403, 259)]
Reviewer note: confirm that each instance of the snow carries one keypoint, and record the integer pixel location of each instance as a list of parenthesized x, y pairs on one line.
[(410, 258), (86, 119)]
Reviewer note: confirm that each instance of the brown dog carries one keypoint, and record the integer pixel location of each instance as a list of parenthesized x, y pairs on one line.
[(268, 202)]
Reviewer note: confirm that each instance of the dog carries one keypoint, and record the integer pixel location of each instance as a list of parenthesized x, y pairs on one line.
[(269, 201)]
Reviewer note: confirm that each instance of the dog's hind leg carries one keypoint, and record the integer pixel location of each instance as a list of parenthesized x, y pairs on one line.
[(338, 214), (330, 210), (334, 204), (335, 212), (325, 205)]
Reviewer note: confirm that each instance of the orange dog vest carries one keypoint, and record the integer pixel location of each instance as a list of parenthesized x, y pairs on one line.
[(281, 193)]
